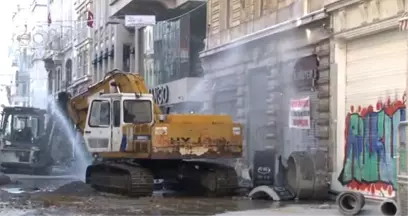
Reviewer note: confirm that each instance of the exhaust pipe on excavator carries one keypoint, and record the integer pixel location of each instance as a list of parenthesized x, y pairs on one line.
[(389, 207)]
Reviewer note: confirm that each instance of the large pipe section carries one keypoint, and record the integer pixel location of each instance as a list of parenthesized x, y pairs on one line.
[(350, 203), (389, 208)]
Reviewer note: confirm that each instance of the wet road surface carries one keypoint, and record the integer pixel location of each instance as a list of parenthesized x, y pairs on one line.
[(65, 196)]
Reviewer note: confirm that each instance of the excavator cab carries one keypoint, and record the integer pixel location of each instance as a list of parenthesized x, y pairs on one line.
[(112, 118)]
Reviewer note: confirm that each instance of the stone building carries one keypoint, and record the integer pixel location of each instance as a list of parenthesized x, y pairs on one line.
[(259, 56)]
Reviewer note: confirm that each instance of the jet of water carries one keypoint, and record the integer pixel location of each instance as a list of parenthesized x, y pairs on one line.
[(82, 158)]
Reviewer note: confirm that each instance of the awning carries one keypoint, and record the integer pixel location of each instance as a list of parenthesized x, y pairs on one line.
[(403, 22)]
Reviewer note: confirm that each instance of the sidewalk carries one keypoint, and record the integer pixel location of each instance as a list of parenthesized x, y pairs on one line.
[(303, 209)]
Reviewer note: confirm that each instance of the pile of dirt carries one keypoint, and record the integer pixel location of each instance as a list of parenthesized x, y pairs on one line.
[(78, 188)]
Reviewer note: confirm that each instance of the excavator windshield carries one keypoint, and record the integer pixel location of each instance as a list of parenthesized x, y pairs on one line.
[(137, 111), (21, 127)]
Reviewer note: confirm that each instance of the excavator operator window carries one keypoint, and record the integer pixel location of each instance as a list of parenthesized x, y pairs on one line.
[(116, 113), (100, 113), (137, 111)]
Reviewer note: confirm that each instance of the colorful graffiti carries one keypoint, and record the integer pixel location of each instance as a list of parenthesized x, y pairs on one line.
[(369, 164)]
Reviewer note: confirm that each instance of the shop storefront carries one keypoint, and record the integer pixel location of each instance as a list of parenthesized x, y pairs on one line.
[(180, 96), (371, 63)]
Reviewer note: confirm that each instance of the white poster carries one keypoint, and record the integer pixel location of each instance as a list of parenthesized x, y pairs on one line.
[(299, 115), (139, 20)]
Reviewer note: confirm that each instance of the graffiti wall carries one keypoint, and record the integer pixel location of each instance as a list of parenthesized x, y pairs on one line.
[(370, 147)]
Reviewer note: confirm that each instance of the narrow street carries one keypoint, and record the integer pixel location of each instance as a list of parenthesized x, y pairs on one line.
[(63, 195)]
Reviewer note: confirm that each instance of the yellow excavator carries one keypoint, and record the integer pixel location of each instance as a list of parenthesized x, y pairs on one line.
[(132, 142)]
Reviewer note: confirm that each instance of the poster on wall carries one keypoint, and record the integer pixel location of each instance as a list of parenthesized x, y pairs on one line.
[(299, 115)]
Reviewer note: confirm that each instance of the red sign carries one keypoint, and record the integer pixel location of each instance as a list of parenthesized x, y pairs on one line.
[(299, 115)]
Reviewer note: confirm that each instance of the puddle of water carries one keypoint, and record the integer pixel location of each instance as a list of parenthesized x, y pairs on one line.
[(13, 190), (20, 190)]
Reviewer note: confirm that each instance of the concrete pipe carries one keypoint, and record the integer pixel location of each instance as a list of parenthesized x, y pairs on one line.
[(305, 178), (350, 203), (389, 207)]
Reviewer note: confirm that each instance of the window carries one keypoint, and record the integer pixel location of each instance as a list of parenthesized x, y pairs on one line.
[(137, 111), (100, 114), (58, 80), (148, 45), (24, 89), (116, 113), (21, 127), (78, 26), (7, 124), (79, 65), (68, 72), (126, 58), (85, 63)]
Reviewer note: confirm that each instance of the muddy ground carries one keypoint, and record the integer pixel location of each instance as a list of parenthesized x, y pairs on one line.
[(66, 196)]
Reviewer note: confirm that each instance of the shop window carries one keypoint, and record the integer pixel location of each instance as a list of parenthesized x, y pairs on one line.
[(126, 58)]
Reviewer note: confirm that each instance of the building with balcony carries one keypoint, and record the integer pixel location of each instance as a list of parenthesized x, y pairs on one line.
[(112, 42), (82, 46), (262, 57), (19, 55), (60, 54), (167, 54), (38, 92)]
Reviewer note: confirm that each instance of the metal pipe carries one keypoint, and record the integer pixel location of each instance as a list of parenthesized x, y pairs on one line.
[(389, 207)]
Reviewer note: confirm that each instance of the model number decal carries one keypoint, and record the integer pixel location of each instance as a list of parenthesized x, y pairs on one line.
[(160, 131)]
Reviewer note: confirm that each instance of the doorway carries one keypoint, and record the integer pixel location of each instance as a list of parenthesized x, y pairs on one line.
[(257, 118)]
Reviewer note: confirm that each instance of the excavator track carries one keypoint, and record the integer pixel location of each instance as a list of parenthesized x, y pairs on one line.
[(220, 181), (212, 180), (121, 179)]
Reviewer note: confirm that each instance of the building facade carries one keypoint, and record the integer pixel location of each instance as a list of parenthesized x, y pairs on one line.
[(38, 92), (173, 69), (113, 43), (261, 59), (82, 46), (59, 58), (167, 54), (370, 64), (19, 56)]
